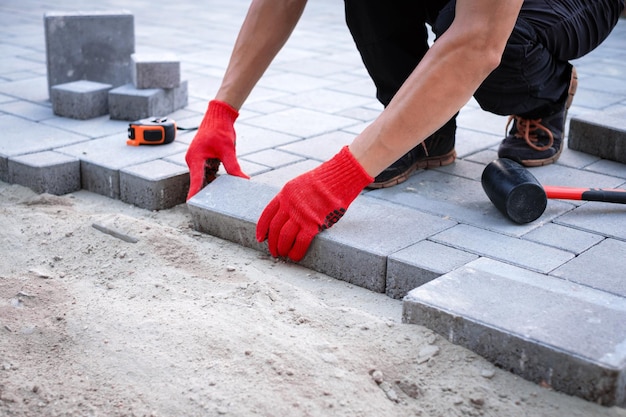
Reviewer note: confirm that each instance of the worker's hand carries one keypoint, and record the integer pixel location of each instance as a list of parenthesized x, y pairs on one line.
[(214, 143), (310, 203)]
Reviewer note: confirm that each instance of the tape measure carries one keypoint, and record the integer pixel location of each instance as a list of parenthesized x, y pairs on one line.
[(151, 131)]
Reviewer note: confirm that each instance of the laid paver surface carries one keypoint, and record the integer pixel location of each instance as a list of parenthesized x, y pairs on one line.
[(545, 300)]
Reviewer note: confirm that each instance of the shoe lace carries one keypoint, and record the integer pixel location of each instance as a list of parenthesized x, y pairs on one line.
[(527, 129)]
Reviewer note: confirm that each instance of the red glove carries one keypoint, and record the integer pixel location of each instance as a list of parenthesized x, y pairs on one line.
[(310, 203), (214, 142)]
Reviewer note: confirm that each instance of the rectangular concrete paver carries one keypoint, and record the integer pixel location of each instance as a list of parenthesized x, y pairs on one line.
[(46, 172), (531, 325), (154, 185), (352, 250), (530, 255), (418, 264)]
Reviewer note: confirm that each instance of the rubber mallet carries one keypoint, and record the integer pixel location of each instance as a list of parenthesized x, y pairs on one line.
[(520, 197)]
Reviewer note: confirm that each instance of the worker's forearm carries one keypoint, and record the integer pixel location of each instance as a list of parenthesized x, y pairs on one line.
[(442, 83), (265, 30)]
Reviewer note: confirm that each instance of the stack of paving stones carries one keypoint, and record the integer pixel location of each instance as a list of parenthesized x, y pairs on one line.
[(92, 71), (545, 300)]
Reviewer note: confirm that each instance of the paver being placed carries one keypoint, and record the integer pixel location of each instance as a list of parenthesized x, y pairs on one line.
[(531, 325), (352, 250)]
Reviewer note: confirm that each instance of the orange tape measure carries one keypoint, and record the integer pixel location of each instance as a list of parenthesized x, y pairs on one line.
[(151, 131)]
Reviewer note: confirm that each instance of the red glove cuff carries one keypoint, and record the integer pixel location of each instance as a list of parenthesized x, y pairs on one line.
[(218, 113)]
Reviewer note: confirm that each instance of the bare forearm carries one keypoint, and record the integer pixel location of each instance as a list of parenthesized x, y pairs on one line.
[(265, 30), (441, 84)]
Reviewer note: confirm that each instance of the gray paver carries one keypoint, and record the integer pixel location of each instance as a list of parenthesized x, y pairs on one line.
[(527, 254), (46, 172), (102, 159), (154, 185), (531, 325), (461, 199), (601, 267), (80, 99), (128, 102), (565, 238), (155, 70), (418, 264), (599, 134), (301, 122), (94, 46), (230, 207)]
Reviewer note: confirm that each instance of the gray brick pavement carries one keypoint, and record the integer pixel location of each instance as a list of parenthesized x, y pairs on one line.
[(559, 277)]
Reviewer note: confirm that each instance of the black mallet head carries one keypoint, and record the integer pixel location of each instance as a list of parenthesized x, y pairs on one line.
[(514, 190)]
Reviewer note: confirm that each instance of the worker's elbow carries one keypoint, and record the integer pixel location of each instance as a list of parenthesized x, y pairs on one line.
[(492, 58)]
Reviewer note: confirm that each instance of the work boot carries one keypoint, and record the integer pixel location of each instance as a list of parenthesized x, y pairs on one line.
[(538, 141), (436, 151)]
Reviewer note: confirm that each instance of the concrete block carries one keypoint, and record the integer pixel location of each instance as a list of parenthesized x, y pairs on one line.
[(155, 71), (130, 103), (461, 199), (80, 99), (599, 134), (547, 330), (94, 46), (352, 250), (102, 159), (498, 246), (45, 172), (601, 267), (21, 136), (154, 185), (421, 263)]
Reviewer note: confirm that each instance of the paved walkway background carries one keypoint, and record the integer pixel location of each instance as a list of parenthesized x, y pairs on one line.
[(314, 99)]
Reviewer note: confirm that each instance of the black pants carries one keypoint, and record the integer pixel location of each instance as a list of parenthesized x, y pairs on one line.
[(534, 73)]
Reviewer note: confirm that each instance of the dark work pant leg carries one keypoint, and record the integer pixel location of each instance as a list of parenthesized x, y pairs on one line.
[(391, 37), (534, 75)]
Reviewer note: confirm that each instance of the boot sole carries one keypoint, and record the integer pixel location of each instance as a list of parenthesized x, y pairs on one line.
[(434, 162)]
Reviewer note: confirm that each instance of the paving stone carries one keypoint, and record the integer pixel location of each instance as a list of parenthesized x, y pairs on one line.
[(102, 159), (155, 71), (420, 263), (566, 238), (352, 250), (21, 136), (154, 185), (601, 267), (130, 103), (45, 172), (301, 122), (505, 248), (461, 199), (80, 99), (605, 219), (531, 325), (599, 134), (85, 45)]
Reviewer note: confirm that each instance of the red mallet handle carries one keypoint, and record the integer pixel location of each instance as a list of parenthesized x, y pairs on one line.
[(587, 194)]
